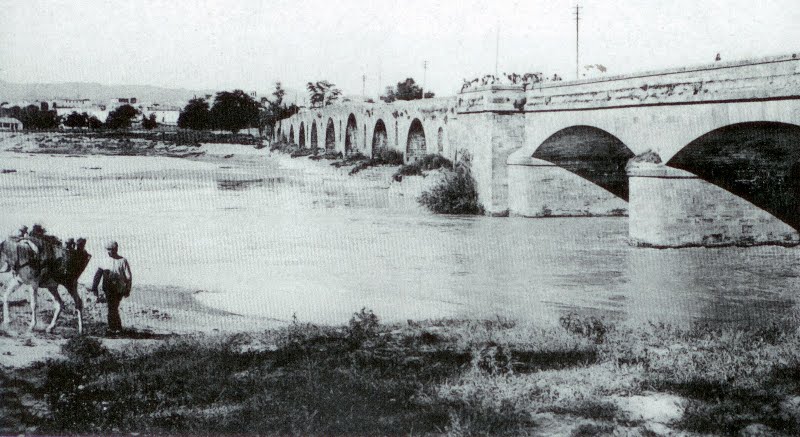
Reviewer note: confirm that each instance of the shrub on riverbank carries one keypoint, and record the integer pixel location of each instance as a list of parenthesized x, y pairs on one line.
[(455, 194)]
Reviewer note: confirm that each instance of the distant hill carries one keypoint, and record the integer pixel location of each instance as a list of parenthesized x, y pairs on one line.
[(96, 92)]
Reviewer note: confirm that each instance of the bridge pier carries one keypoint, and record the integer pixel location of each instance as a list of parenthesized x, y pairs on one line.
[(538, 188), (669, 207)]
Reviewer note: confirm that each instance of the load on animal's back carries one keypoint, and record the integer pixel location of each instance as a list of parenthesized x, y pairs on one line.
[(38, 259)]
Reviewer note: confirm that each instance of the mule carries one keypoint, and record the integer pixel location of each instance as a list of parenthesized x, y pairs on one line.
[(44, 265)]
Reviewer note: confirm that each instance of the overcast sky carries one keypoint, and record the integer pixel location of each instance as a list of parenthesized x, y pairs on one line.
[(225, 44)]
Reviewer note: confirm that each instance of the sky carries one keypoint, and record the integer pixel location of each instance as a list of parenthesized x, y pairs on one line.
[(249, 44)]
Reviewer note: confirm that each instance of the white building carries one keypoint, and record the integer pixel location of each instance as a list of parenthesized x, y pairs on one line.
[(10, 124)]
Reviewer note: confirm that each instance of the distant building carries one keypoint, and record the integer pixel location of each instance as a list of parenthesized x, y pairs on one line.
[(10, 124), (165, 114)]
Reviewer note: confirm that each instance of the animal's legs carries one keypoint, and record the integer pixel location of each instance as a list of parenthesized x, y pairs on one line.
[(9, 288), (34, 288), (58, 303), (76, 297)]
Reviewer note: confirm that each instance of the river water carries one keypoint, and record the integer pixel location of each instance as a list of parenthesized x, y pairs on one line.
[(277, 237)]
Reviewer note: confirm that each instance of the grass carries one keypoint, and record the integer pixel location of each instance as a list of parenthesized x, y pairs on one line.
[(456, 377)]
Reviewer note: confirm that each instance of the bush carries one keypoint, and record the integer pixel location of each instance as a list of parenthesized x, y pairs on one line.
[(83, 349), (456, 194), (592, 328), (427, 162), (363, 326), (383, 157)]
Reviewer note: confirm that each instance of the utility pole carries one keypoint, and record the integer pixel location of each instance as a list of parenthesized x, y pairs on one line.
[(577, 41), (363, 84), (424, 77), (497, 48)]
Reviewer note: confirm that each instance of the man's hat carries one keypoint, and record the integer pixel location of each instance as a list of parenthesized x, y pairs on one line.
[(112, 245)]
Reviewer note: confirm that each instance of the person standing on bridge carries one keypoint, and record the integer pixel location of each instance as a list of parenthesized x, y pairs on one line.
[(117, 280)]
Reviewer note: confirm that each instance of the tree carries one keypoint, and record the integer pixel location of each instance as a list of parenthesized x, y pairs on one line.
[(274, 110), (234, 111), (149, 122), (75, 120), (196, 115), (121, 117), (389, 95), (409, 90), (93, 122), (34, 118), (322, 93)]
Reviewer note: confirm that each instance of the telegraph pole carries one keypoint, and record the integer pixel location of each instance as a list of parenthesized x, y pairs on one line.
[(424, 77), (577, 41), (497, 48)]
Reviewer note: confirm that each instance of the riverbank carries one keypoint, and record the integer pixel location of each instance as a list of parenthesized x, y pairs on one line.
[(442, 377)]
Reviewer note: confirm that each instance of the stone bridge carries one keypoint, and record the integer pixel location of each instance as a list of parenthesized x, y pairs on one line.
[(696, 156)]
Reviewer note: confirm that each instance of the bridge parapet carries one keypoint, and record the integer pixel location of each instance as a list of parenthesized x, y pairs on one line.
[(491, 98), (763, 79)]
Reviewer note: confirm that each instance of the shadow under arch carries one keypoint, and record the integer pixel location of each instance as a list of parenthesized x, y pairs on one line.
[(330, 136), (757, 161), (415, 144), (590, 153), (301, 136), (350, 138), (380, 138), (314, 141)]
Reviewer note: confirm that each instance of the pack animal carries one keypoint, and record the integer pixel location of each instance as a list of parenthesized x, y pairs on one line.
[(43, 263)]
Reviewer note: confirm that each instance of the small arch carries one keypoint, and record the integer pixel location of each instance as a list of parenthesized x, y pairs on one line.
[(415, 144), (301, 139), (314, 142), (440, 141), (330, 136), (350, 138), (592, 154), (380, 139), (291, 135), (757, 161)]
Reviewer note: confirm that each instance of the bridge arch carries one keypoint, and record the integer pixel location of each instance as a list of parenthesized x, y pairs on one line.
[(314, 141), (590, 153), (351, 137), (440, 141), (301, 138), (380, 138), (330, 136), (291, 134), (757, 161), (415, 143)]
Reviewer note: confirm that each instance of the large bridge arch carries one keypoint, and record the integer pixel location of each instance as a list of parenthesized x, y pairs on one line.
[(330, 136), (415, 142), (351, 135), (577, 170), (757, 161), (590, 153)]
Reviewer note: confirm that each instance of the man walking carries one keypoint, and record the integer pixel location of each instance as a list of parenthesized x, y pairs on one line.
[(117, 279)]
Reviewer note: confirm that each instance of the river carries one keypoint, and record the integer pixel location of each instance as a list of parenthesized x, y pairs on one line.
[(277, 237)]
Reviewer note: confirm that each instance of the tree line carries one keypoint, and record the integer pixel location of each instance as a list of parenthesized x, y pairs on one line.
[(41, 117)]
